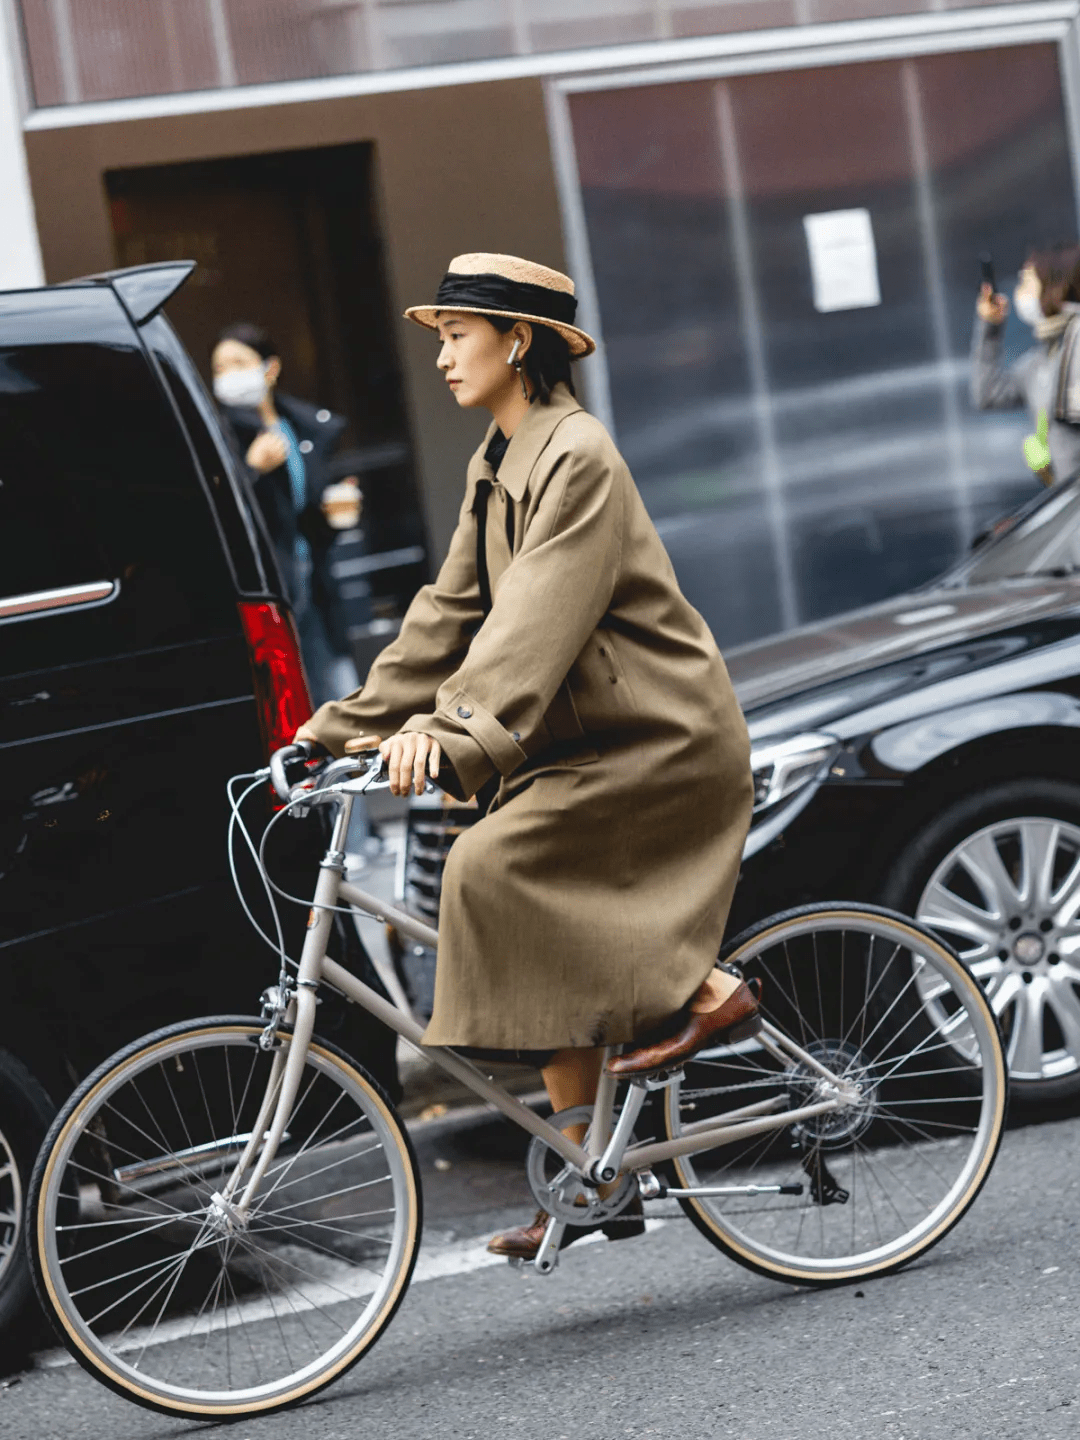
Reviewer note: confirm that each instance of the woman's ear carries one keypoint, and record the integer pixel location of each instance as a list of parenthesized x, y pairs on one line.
[(273, 371), (522, 333)]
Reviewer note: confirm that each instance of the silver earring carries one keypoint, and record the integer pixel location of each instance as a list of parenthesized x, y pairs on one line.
[(513, 354)]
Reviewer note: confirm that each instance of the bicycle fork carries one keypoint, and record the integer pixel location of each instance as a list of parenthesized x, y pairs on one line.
[(287, 1068)]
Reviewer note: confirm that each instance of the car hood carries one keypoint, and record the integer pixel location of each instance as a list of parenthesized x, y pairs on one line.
[(809, 677)]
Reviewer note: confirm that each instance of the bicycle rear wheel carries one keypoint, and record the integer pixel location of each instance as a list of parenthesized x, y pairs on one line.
[(882, 1179), (171, 1302)]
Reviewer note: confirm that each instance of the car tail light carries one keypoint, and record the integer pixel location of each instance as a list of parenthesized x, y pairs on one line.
[(281, 688)]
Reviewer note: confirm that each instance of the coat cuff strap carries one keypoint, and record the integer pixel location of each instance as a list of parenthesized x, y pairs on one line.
[(503, 748)]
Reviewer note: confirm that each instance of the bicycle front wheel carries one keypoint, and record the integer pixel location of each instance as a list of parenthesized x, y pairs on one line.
[(872, 1185), (157, 1288)]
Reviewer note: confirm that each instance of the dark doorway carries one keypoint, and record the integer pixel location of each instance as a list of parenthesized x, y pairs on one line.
[(291, 240)]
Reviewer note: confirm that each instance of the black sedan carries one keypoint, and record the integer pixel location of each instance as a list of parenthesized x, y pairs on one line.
[(924, 753)]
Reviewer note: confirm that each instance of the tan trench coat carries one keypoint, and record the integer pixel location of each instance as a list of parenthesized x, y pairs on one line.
[(590, 902)]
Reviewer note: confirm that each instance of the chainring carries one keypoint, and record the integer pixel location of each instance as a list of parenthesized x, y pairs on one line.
[(559, 1190)]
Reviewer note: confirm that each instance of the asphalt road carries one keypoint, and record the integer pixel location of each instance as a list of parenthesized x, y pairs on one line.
[(663, 1336)]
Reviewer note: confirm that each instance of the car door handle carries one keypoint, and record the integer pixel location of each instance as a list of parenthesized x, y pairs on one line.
[(40, 602)]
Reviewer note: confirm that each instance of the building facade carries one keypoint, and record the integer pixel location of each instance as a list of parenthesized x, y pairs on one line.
[(773, 210)]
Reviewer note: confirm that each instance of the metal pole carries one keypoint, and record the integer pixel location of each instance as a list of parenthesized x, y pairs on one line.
[(594, 370), (223, 50), (753, 339), (20, 251), (939, 311)]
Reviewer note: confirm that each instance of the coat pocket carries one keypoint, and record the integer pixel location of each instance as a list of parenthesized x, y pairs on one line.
[(570, 744)]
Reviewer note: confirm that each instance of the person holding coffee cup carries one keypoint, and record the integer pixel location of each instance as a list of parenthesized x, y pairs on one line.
[(303, 489)]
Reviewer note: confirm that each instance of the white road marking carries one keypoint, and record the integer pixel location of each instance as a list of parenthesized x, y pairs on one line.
[(336, 1282)]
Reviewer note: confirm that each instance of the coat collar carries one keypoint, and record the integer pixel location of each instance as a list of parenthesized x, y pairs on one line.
[(529, 439)]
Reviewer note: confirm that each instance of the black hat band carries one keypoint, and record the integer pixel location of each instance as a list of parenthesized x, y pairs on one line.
[(496, 292)]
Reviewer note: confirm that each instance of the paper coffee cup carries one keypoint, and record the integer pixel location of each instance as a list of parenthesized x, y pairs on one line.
[(341, 505)]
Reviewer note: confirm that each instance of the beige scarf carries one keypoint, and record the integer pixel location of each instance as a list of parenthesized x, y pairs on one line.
[(1052, 327)]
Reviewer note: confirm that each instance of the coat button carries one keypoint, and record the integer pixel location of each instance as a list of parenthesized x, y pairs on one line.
[(614, 679), (603, 652), (306, 447), (322, 416), (464, 712), (514, 735)]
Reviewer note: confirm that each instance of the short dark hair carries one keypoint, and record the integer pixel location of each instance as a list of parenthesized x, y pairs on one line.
[(1058, 269), (255, 337), (547, 360)]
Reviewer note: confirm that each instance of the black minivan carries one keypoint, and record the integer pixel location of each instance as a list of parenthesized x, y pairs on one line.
[(146, 655)]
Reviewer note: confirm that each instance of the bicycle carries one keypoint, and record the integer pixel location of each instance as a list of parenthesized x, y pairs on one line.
[(245, 1191)]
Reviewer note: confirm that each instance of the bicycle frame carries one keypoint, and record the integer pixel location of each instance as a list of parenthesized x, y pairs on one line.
[(607, 1152)]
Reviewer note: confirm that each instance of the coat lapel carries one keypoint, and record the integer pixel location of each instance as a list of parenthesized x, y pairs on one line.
[(529, 439)]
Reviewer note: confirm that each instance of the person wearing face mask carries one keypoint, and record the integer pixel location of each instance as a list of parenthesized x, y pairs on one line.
[(1047, 298), (290, 448)]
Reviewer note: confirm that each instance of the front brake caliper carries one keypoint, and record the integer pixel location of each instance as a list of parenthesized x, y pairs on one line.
[(276, 1000)]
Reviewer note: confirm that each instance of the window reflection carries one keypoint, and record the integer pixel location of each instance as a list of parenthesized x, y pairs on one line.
[(801, 463)]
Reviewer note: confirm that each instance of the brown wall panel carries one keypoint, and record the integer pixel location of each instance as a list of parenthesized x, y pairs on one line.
[(457, 169)]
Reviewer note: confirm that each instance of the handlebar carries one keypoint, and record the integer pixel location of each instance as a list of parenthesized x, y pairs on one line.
[(301, 750), (330, 775)]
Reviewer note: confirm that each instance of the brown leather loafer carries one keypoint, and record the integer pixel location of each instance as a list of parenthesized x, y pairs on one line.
[(523, 1242), (738, 1018)]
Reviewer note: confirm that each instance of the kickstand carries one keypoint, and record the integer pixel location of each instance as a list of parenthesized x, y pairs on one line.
[(547, 1257), (824, 1189)]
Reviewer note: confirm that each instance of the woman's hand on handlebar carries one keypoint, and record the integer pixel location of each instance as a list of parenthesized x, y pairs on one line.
[(409, 757), (306, 733)]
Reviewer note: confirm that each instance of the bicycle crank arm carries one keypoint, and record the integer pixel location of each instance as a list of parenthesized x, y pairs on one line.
[(547, 1257)]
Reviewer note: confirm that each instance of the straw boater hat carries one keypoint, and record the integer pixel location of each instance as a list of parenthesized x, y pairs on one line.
[(507, 285)]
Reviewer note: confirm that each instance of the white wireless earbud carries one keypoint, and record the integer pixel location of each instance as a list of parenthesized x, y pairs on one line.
[(513, 352)]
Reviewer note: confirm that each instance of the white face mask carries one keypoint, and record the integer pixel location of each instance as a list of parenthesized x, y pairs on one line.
[(1028, 308), (241, 387)]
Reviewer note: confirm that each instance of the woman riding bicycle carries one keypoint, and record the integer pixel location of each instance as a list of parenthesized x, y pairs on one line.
[(555, 669)]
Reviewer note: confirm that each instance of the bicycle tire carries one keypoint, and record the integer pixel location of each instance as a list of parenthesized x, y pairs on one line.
[(291, 1248), (974, 1097)]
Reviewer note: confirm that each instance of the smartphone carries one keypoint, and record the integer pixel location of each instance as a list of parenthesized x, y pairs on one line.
[(986, 267)]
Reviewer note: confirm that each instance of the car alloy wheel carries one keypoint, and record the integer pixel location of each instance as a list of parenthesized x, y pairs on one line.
[(11, 1207), (1008, 899)]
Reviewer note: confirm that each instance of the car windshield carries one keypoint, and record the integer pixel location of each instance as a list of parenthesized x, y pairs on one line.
[(1040, 538)]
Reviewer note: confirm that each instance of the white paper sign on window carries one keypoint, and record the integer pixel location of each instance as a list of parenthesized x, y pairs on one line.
[(843, 260)]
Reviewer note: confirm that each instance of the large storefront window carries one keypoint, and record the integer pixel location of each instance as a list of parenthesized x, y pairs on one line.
[(804, 440), (87, 50)]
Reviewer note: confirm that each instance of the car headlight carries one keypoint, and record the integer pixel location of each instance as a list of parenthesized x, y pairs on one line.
[(782, 769)]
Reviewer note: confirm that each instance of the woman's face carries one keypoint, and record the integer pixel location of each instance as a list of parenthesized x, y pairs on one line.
[(473, 357), (1028, 290), (230, 356)]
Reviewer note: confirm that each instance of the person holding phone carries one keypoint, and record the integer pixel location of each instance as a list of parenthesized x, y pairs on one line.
[(1047, 298)]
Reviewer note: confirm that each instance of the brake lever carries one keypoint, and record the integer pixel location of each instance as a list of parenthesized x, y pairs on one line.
[(362, 785), (375, 778)]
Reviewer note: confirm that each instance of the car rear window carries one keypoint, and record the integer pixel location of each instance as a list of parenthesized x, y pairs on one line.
[(250, 552), (96, 476)]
